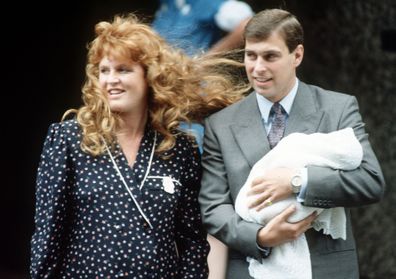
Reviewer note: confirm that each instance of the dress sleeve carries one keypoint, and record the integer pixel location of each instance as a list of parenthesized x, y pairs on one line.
[(53, 185), (191, 240)]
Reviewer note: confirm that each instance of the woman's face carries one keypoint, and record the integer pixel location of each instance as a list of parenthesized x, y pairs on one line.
[(125, 84)]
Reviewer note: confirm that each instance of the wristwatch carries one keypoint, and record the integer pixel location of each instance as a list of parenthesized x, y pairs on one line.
[(296, 183)]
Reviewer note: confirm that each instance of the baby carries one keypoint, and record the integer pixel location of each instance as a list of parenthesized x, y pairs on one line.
[(338, 150)]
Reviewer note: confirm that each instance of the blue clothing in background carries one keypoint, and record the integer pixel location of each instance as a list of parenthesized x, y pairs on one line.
[(195, 129), (190, 24), (196, 25)]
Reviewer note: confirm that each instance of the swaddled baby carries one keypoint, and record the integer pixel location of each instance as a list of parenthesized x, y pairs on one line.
[(338, 150)]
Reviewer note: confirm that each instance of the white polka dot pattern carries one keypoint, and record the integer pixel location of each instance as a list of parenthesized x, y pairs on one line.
[(86, 225)]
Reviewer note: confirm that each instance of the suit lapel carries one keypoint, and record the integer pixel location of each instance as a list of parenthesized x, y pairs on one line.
[(248, 131), (304, 115)]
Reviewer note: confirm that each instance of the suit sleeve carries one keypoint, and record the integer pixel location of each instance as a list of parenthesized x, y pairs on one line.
[(191, 240), (217, 206), (333, 188), (52, 188)]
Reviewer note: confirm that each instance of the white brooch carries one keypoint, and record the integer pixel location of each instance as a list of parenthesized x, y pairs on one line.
[(168, 185)]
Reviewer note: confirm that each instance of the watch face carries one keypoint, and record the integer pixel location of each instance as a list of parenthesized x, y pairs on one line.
[(296, 184), (297, 181)]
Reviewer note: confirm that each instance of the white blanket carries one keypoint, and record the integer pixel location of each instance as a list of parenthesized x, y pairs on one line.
[(338, 150)]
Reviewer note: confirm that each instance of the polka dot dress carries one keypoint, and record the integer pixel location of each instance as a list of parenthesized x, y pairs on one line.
[(87, 225)]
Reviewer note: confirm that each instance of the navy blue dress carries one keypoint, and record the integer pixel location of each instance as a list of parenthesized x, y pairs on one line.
[(87, 226)]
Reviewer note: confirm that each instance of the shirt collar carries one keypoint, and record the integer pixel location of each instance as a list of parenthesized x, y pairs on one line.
[(287, 102)]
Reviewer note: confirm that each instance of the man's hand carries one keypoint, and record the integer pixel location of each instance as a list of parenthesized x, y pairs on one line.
[(279, 231), (272, 187)]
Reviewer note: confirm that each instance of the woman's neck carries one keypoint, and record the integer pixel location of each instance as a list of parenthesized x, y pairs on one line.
[(130, 134), (131, 126)]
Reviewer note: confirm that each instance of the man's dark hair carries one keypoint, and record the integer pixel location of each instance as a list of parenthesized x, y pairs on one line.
[(263, 24)]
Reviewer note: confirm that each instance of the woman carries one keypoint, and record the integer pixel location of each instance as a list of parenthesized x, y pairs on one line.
[(117, 185)]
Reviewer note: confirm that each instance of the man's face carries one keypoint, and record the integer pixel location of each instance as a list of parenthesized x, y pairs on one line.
[(270, 67)]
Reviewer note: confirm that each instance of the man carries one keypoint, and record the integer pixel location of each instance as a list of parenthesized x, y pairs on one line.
[(236, 138)]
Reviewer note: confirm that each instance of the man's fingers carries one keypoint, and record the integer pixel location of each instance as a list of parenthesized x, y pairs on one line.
[(266, 203), (256, 190), (311, 217), (257, 200), (257, 181), (257, 187), (285, 214), (306, 223)]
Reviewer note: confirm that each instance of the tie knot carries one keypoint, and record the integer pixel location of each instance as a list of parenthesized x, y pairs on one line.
[(277, 109)]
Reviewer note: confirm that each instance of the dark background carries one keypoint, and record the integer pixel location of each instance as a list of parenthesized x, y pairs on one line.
[(350, 47)]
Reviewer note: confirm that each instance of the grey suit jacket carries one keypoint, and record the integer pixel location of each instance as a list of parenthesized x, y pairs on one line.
[(235, 139)]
